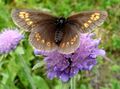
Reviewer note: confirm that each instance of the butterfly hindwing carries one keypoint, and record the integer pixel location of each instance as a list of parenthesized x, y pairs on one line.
[(71, 39), (42, 37), (88, 20), (27, 19)]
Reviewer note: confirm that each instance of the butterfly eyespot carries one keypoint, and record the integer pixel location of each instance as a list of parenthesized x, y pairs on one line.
[(73, 39), (62, 45), (89, 21), (43, 41), (23, 15), (71, 42), (48, 44), (29, 23), (67, 43), (27, 19), (95, 16), (76, 36), (37, 34), (37, 39), (86, 25)]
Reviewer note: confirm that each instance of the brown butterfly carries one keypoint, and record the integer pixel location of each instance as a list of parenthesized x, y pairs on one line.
[(51, 33)]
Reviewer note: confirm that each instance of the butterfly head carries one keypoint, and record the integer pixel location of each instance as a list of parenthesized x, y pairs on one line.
[(60, 22)]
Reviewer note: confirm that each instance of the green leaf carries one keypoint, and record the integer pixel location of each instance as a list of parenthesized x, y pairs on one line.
[(115, 68), (40, 82), (38, 65), (19, 50)]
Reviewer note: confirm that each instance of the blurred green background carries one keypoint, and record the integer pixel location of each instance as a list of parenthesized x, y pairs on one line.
[(16, 72)]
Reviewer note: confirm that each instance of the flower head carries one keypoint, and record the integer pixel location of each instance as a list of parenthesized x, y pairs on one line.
[(9, 40), (66, 66)]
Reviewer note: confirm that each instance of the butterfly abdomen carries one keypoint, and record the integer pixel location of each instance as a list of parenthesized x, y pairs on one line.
[(60, 22), (58, 36)]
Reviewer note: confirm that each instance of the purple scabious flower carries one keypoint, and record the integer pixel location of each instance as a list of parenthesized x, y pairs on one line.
[(66, 66), (9, 39)]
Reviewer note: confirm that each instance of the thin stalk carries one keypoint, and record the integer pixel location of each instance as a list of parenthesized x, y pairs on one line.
[(70, 84), (73, 83), (65, 85)]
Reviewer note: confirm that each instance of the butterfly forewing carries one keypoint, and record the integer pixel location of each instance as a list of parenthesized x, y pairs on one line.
[(88, 20), (27, 19), (70, 41), (42, 37)]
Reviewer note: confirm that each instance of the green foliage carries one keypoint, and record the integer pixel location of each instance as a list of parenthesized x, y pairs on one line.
[(21, 69), (115, 42)]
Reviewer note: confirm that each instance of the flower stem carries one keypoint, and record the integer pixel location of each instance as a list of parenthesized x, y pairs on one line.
[(65, 85), (73, 83), (70, 84)]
